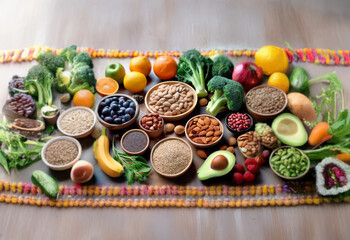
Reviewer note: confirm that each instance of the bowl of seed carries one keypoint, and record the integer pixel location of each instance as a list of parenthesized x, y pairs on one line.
[(265, 102), (135, 142), (172, 100), (171, 157), (61, 153), (77, 122)]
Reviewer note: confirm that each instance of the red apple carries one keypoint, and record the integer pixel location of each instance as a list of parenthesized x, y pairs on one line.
[(248, 74)]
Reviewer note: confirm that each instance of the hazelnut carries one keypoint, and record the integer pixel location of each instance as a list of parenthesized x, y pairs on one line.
[(169, 127), (179, 129)]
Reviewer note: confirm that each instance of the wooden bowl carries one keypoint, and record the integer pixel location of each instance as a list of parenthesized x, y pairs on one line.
[(139, 152), (65, 166), (208, 144), (289, 178), (237, 133), (179, 173), (80, 135), (52, 119), (261, 117), (118, 126), (176, 117), (154, 133)]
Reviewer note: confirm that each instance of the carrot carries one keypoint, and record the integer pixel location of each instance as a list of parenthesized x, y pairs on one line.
[(345, 157), (319, 134)]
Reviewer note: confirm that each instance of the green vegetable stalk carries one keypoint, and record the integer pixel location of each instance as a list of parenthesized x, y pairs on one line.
[(328, 151)]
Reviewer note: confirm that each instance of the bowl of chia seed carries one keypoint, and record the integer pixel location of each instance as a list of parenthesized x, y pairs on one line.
[(135, 142)]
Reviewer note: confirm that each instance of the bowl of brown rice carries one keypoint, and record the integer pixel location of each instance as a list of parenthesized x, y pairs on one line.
[(61, 153), (171, 157), (77, 122)]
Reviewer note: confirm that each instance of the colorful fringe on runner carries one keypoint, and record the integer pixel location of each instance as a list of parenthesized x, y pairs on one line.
[(312, 55), (144, 196)]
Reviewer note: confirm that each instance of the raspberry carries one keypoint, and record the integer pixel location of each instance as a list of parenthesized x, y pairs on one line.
[(253, 168), (248, 176), (250, 161), (239, 168), (238, 178)]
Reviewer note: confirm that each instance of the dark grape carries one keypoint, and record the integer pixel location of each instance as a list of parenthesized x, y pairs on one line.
[(132, 105), (126, 104)]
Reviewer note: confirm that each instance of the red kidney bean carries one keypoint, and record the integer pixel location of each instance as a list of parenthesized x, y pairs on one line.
[(239, 121)]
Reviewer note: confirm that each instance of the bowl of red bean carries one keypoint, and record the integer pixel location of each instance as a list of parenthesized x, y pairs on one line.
[(239, 122), (152, 124)]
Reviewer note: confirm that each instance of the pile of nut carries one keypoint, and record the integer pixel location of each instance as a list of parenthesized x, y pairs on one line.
[(249, 143), (204, 130), (151, 121), (171, 99)]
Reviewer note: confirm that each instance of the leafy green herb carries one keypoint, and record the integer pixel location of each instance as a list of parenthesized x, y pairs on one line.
[(3, 162), (328, 151), (327, 110), (49, 129), (136, 167), (340, 129), (18, 152)]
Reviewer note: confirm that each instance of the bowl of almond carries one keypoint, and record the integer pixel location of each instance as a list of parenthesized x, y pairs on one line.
[(204, 130)]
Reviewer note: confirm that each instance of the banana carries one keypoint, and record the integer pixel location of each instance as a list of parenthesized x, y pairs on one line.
[(108, 165)]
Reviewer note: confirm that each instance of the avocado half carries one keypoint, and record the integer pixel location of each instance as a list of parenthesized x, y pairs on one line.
[(289, 129), (206, 171)]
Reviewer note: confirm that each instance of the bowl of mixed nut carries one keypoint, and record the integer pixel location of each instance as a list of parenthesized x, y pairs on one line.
[(152, 124), (172, 100), (265, 102), (249, 144), (204, 130)]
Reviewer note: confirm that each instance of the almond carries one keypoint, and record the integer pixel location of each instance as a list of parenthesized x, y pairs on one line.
[(215, 138), (198, 140), (207, 121), (217, 128), (211, 128), (190, 128), (196, 129), (200, 121), (205, 127), (230, 149), (204, 140), (215, 122), (208, 139), (202, 154), (217, 133), (224, 147), (195, 120), (210, 133), (202, 133)]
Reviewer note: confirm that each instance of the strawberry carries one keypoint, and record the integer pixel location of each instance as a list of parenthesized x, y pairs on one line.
[(250, 161), (253, 168), (248, 176), (239, 168), (238, 178)]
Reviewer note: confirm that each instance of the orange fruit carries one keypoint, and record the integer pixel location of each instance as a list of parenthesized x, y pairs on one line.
[(140, 64), (279, 80), (271, 59), (84, 98), (106, 86), (135, 82), (165, 67)]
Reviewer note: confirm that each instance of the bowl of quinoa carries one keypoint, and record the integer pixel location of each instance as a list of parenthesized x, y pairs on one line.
[(171, 157), (77, 122), (61, 153)]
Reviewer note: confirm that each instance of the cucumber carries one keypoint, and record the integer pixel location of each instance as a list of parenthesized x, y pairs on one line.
[(299, 81), (46, 183)]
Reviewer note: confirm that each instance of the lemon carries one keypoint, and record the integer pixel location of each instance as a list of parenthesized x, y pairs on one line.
[(140, 64), (135, 82), (271, 59), (279, 80)]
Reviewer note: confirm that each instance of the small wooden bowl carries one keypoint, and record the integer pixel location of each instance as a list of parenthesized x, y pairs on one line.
[(261, 117), (118, 126), (135, 153), (235, 131), (150, 133), (208, 144), (179, 173), (176, 117), (80, 135), (289, 178), (52, 119)]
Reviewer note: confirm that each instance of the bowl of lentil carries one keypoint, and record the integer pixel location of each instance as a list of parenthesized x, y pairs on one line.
[(77, 122), (289, 163), (135, 142), (204, 130), (172, 100), (265, 102), (239, 122), (61, 153), (171, 157)]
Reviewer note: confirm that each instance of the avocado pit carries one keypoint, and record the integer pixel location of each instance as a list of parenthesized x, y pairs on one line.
[(219, 162)]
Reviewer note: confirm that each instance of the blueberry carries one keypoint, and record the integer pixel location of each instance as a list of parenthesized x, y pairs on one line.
[(126, 104), (101, 116), (113, 113), (114, 107), (127, 117), (108, 101), (129, 101), (115, 116), (130, 111), (132, 105), (117, 120), (120, 113), (109, 119), (103, 104), (114, 102), (122, 109), (121, 101), (114, 98), (122, 98), (106, 111), (123, 120)]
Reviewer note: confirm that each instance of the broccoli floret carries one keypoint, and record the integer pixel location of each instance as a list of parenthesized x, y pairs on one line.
[(226, 93), (83, 57), (39, 81), (222, 66), (82, 78), (51, 61), (63, 80), (194, 68), (69, 53)]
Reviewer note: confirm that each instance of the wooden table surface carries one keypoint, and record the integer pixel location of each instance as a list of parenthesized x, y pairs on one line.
[(174, 25)]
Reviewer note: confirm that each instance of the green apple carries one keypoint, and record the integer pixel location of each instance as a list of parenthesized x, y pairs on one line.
[(115, 71)]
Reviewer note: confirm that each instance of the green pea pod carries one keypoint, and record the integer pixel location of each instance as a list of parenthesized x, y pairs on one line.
[(299, 81)]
